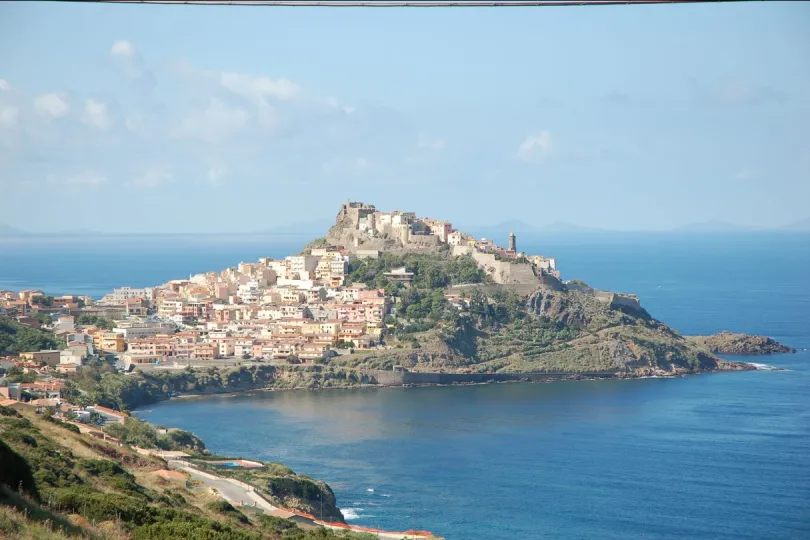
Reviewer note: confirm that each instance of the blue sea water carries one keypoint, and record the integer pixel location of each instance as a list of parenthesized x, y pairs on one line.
[(720, 456), (94, 265)]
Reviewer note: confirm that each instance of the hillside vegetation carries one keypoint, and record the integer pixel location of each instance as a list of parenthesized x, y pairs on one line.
[(740, 344), (103, 386), (55, 483), (280, 483), (501, 331), (17, 338)]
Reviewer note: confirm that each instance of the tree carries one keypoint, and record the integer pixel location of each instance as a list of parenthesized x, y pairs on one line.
[(45, 301), (16, 338), (100, 322)]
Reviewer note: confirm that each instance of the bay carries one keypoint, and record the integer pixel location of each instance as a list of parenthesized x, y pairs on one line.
[(712, 456)]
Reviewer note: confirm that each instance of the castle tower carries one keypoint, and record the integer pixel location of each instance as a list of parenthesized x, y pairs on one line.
[(512, 244)]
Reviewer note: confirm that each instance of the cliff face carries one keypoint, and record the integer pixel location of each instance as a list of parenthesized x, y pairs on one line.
[(739, 344), (617, 337), (554, 331)]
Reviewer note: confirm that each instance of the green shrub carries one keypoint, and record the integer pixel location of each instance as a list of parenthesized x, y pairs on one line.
[(15, 471), (275, 524), (198, 529), (226, 508)]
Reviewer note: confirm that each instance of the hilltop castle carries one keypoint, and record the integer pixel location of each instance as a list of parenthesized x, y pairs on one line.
[(402, 227), (365, 231)]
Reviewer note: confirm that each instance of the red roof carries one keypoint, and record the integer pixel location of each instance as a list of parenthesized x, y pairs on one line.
[(113, 412)]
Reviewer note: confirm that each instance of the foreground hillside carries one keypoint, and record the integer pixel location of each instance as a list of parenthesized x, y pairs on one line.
[(56, 483)]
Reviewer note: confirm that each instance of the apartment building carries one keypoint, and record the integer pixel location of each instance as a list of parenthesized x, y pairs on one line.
[(109, 342), (302, 266), (50, 357), (143, 329), (122, 294)]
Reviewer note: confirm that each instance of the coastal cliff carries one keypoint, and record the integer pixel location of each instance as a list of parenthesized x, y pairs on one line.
[(740, 344), (56, 482), (291, 490)]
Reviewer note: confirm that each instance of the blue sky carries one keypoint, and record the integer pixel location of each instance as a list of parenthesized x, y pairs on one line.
[(223, 119)]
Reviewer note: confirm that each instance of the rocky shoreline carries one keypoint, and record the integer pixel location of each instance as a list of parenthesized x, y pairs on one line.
[(643, 373), (740, 344)]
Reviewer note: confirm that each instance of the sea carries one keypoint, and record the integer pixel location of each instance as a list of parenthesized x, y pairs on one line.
[(714, 456)]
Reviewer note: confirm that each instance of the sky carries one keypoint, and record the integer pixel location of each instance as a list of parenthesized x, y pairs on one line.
[(149, 118)]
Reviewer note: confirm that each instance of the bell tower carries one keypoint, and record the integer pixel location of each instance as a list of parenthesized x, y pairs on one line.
[(512, 244)]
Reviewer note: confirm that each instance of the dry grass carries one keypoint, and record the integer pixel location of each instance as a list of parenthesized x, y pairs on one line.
[(28, 521)]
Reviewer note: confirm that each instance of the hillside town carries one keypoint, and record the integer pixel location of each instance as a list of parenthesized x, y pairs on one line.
[(301, 309)]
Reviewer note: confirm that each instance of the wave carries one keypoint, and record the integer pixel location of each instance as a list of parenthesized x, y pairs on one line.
[(765, 367), (350, 514)]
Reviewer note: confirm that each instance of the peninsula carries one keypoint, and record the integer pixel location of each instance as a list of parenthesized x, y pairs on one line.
[(383, 298)]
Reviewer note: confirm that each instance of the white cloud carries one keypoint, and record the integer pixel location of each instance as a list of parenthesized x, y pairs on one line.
[(123, 48), (209, 118), (8, 115), (54, 105), (4, 85), (216, 122), (259, 88), (129, 61), (430, 143), (535, 146), (96, 114), (89, 179), (135, 123), (216, 174), (152, 178)]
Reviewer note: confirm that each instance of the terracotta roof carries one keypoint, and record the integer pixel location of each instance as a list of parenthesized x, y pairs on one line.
[(107, 410)]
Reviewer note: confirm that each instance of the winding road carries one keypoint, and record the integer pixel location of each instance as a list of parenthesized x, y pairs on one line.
[(240, 494)]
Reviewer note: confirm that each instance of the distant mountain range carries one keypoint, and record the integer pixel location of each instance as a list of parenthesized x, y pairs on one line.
[(7, 230), (518, 227), (705, 227), (318, 227), (315, 226), (712, 226), (803, 225)]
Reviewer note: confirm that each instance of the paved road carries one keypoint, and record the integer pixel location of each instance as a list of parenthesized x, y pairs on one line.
[(232, 491), (239, 494)]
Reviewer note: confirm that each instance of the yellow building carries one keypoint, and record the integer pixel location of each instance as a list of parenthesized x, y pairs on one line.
[(109, 341), (50, 357)]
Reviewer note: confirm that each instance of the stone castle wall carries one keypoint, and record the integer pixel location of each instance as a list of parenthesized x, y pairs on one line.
[(618, 300), (502, 272)]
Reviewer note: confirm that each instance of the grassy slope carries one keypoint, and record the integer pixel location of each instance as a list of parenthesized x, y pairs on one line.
[(549, 331), (80, 486)]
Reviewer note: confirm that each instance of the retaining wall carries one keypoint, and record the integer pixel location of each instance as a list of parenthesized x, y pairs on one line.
[(401, 378)]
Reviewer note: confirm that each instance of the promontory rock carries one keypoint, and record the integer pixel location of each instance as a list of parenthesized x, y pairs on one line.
[(740, 344)]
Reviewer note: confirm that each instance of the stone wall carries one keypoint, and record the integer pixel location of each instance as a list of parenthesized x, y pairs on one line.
[(503, 272), (618, 300), (400, 378)]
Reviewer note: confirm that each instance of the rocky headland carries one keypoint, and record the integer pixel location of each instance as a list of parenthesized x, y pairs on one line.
[(740, 344)]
